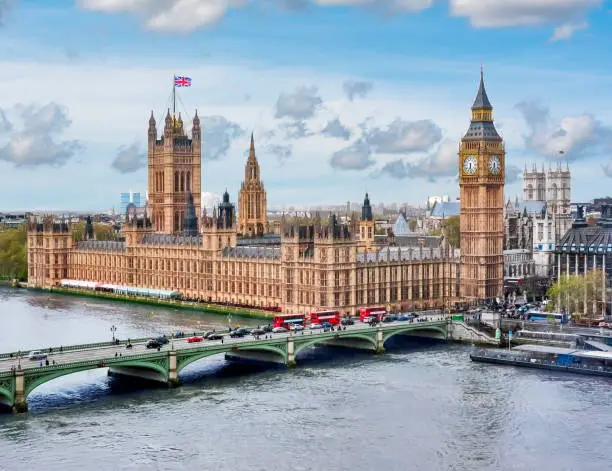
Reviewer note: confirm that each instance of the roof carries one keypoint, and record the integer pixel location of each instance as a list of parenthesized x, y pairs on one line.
[(589, 239), (545, 349), (104, 245), (267, 239), (401, 227), (482, 130), (596, 355), (252, 252), (482, 100), (446, 209), (394, 254), (171, 239)]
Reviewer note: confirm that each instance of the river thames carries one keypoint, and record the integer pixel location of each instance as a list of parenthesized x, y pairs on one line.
[(420, 406)]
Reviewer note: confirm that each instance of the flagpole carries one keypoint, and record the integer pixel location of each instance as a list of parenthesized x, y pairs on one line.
[(173, 96)]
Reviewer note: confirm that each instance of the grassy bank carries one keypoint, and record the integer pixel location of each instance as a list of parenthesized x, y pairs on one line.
[(166, 303)]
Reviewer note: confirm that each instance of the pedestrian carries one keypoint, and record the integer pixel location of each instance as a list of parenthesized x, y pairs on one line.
[(40, 363), (158, 348), (221, 339), (47, 362), (120, 355), (54, 362), (116, 354)]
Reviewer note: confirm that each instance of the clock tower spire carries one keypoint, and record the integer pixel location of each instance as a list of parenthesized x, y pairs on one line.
[(481, 183)]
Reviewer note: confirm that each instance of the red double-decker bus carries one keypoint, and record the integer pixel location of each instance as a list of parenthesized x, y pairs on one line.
[(372, 311), (318, 317), (285, 320)]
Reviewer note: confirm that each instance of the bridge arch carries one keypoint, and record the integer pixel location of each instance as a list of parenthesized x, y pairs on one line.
[(7, 391), (34, 381), (368, 339), (186, 357), (435, 331)]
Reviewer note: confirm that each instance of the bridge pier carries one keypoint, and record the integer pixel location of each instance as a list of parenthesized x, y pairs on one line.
[(380, 341), (173, 379), (291, 363), (20, 404)]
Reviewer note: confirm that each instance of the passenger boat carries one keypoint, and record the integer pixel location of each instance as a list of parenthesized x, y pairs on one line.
[(585, 362)]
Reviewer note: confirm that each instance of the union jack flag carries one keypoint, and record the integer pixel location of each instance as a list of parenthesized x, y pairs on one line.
[(182, 81)]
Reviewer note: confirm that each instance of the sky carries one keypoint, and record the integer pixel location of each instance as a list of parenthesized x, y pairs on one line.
[(343, 96)]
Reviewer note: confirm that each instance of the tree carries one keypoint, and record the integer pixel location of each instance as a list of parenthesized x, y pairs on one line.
[(579, 295), (452, 231), (412, 224), (101, 231), (13, 257)]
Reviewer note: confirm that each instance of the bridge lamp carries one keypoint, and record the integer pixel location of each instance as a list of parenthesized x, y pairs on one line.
[(113, 329)]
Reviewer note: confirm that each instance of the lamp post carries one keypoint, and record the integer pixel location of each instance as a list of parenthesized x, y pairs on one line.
[(113, 329)]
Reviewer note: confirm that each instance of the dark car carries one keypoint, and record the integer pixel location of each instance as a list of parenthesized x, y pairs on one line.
[(153, 344), (162, 340), (258, 332), (267, 328), (237, 333), (215, 336), (389, 318), (347, 321)]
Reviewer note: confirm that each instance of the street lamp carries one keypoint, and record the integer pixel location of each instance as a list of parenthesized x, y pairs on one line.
[(113, 329)]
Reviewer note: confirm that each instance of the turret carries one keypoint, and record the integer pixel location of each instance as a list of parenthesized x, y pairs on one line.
[(196, 131), (152, 129)]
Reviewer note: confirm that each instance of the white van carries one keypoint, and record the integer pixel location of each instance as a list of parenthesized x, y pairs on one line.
[(37, 355)]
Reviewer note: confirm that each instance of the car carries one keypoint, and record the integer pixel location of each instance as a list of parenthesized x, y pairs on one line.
[(296, 327), (389, 318), (347, 321), (208, 333), (162, 340), (194, 339), (279, 330), (258, 332), (37, 355), (267, 328), (315, 326), (236, 333), (215, 336), (153, 343), (367, 319), (326, 325), (403, 318)]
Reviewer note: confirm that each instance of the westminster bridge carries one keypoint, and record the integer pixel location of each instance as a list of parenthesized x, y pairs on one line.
[(19, 376)]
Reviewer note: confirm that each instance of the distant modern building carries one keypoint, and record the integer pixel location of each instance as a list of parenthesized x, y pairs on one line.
[(127, 198)]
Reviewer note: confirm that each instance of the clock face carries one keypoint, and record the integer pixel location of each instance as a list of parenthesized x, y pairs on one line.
[(470, 165), (494, 165)]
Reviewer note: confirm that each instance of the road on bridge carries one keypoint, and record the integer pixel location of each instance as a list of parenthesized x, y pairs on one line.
[(174, 344)]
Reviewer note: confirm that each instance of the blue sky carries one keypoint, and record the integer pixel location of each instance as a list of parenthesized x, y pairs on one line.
[(343, 95)]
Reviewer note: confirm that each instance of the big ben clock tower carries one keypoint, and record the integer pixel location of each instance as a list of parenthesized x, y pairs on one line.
[(481, 183)]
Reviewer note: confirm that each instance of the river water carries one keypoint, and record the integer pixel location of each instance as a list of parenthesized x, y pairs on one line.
[(420, 406)]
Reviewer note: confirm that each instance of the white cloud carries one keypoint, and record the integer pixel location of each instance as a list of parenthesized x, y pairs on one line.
[(577, 136), (335, 128), (357, 156), (36, 142), (129, 159), (357, 88), (301, 104), (218, 133), (501, 13), (402, 136), (440, 163), (567, 30), (181, 16)]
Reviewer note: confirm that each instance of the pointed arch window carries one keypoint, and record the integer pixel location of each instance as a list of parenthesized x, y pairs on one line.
[(176, 181), (188, 182), (182, 181)]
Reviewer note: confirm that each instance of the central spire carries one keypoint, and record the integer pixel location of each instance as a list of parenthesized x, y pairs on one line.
[(482, 100)]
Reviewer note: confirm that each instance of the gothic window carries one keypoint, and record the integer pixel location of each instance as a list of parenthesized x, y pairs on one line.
[(176, 181), (182, 181), (188, 182), (554, 192), (529, 192), (176, 220)]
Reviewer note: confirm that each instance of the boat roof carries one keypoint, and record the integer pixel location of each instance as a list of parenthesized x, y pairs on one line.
[(594, 354), (545, 349)]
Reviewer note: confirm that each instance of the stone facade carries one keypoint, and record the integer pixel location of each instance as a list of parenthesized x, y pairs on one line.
[(318, 264), (481, 183), (252, 207)]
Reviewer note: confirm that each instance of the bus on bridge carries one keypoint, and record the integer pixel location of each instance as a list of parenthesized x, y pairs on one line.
[(366, 313), (286, 320), (330, 316)]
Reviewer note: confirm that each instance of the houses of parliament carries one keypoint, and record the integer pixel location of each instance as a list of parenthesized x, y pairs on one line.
[(230, 256)]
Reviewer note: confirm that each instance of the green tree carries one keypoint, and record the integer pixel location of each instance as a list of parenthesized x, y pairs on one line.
[(580, 295), (452, 231), (101, 231), (13, 257), (412, 224)]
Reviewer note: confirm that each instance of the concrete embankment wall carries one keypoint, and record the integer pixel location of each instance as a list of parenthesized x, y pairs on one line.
[(461, 332)]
